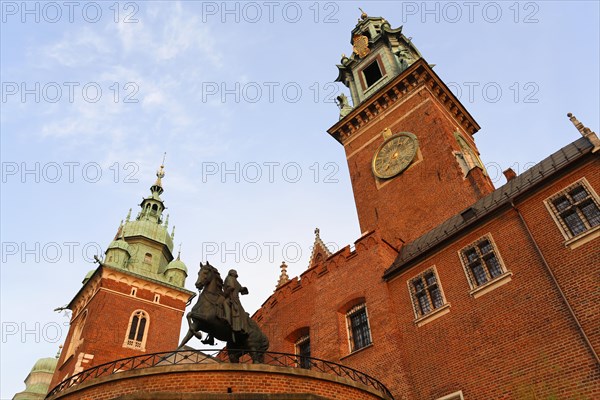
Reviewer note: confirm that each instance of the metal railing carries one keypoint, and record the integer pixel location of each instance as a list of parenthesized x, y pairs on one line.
[(181, 357)]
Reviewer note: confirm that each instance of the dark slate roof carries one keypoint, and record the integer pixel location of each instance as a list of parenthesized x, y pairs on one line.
[(498, 198)]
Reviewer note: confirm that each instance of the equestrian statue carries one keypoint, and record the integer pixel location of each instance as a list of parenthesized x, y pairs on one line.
[(220, 314)]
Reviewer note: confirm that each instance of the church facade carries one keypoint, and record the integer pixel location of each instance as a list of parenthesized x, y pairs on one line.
[(455, 289)]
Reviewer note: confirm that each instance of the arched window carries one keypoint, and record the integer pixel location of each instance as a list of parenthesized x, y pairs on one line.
[(148, 258), (137, 331)]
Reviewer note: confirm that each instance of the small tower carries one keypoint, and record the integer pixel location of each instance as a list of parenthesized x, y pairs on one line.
[(379, 53), (408, 140), (134, 301)]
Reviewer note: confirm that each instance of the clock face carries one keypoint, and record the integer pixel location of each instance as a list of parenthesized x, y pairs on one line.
[(395, 155)]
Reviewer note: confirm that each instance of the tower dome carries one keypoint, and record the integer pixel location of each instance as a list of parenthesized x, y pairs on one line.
[(47, 364), (176, 272), (38, 380), (119, 244)]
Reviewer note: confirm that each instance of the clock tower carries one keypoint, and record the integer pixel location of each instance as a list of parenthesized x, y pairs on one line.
[(408, 140)]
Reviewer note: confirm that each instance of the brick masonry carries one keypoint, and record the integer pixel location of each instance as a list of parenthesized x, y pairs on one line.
[(243, 381), (518, 341)]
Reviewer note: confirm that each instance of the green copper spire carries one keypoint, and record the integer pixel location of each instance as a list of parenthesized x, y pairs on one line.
[(143, 246), (152, 206)]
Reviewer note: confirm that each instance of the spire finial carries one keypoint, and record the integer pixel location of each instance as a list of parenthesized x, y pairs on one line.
[(173, 233), (363, 14), (59, 351), (167, 222), (128, 216), (179, 251), (161, 171), (317, 232), (283, 277)]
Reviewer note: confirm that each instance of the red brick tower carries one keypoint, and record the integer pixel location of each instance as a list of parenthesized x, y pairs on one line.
[(406, 132), (134, 301)]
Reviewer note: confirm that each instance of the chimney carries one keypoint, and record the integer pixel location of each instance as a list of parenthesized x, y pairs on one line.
[(509, 174)]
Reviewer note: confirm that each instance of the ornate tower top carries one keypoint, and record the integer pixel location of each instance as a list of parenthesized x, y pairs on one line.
[(144, 246), (379, 54)]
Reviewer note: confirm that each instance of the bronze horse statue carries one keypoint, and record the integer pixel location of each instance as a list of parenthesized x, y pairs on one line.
[(210, 315)]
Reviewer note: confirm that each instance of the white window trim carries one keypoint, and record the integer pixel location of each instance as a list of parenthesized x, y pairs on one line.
[(492, 284), (453, 396), (435, 313), (571, 241), (135, 344)]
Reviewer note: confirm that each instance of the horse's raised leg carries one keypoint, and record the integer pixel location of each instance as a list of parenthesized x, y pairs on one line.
[(192, 331)]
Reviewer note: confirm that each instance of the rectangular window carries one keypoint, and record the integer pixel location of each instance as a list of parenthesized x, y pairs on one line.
[(303, 351), (358, 327), (576, 209), (426, 293), (482, 262), (372, 73)]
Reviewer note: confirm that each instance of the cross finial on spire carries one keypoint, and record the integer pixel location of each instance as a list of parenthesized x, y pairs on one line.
[(179, 251), (128, 216), (317, 232)]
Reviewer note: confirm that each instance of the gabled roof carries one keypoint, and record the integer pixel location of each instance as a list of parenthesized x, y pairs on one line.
[(483, 207), (320, 252)]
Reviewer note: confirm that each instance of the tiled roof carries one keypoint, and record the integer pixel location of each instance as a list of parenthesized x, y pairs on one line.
[(491, 202)]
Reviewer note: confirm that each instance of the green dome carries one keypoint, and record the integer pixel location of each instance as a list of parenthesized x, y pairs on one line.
[(119, 244), (177, 264), (45, 365)]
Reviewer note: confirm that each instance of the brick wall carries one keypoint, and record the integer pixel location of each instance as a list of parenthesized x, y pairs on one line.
[(107, 324), (434, 184), (517, 341), (206, 380)]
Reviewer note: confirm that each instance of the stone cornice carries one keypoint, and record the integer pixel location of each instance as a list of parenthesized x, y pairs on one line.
[(417, 75)]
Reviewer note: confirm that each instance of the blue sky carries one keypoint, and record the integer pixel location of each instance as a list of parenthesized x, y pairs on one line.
[(239, 96)]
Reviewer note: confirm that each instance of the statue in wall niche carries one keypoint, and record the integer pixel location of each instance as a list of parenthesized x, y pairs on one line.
[(220, 314)]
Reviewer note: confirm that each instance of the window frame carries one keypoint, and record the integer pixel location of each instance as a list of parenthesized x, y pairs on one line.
[(422, 318), (574, 240), (362, 77), (453, 396), (492, 282), (134, 343), (361, 307), (303, 359)]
